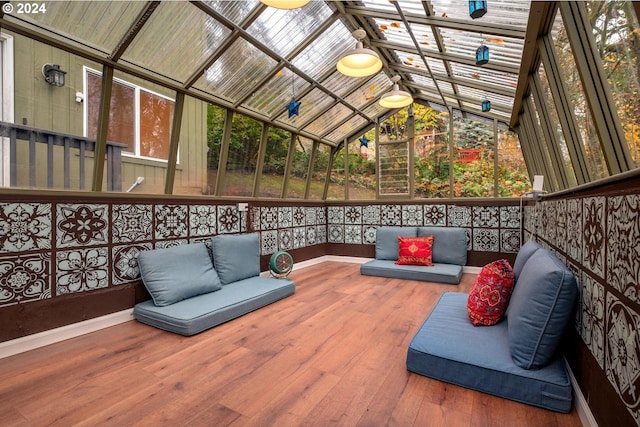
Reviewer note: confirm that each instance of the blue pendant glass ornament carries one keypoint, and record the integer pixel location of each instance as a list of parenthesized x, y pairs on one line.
[(482, 55), (486, 105), (293, 107), (477, 8), (364, 142)]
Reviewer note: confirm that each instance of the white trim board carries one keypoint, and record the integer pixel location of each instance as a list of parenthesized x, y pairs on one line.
[(31, 342)]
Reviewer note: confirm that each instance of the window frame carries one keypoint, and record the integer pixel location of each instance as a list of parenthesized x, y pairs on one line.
[(136, 119)]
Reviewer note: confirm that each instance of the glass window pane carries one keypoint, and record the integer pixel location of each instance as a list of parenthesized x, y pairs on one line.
[(299, 168), (121, 112), (160, 45), (513, 178), (431, 153), (337, 183), (362, 168), (473, 171), (243, 155), (275, 161), (215, 127), (393, 156), (555, 124), (575, 90), (616, 29), (156, 117), (320, 169), (282, 30)]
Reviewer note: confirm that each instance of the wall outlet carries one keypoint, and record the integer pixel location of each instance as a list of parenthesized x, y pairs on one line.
[(243, 207)]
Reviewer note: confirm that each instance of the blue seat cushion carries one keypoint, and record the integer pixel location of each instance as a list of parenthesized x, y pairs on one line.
[(387, 240), (449, 244), (449, 348), (177, 273), (440, 273), (236, 256), (205, 311), (540, 309), (523, 256)]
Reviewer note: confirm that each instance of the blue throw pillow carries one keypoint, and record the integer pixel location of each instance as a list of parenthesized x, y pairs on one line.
[(236, 256), (540, 309), (177, 273), (387, 241)]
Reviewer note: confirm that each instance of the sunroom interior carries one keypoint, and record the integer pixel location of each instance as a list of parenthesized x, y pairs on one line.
[(232, 117)]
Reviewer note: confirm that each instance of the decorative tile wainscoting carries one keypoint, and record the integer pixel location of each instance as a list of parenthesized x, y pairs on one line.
[(67, 258), (598, 237)]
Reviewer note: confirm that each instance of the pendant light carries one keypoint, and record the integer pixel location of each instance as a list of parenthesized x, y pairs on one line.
[(477, 8), (359, 62), (396, 98), (285, 4)]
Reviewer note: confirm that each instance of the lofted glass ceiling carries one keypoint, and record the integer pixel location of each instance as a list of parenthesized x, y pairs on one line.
[(249, 57)]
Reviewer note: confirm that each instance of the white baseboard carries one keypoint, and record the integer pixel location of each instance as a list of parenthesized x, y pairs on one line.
[(580, 403), (30, 342)]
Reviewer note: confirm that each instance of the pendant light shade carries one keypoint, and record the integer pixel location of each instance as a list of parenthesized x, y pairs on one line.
[(285, 4), (482, 55), (477, 8), (486, 105), (359, 62), (396, 98)]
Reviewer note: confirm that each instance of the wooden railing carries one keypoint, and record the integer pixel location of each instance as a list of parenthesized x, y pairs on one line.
[(69, 145)]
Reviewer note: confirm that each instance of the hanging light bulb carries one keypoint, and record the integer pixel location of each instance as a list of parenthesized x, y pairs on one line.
[(396, 98), (285, 4), (359, 62)]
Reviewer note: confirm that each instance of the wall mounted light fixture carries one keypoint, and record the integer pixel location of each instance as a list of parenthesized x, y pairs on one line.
[(53, 74)]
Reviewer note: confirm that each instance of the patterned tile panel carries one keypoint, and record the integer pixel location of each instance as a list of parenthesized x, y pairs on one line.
[(623, 246), (82, 225), (593, 232), (25, 226), (25, 278), (622, 355), (79, 270), (131, 223)]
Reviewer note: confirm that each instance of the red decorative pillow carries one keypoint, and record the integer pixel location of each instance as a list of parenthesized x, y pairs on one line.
[(489, 295), (414, 250)]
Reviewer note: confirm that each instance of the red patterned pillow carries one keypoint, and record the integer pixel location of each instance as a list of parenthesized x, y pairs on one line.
[(489, 295), (415, 250)]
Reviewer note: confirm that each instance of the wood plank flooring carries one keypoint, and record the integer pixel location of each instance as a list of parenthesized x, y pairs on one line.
[(333, 354)]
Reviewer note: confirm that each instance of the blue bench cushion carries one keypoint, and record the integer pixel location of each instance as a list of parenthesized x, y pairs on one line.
[(449, 348), (523, 256), (540, 309), (236, 256), (387, 241), (177, 273), (205, 311), (449, 244), (442, 273)]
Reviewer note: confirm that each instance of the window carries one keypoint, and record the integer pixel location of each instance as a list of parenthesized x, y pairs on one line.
[(138, 118)]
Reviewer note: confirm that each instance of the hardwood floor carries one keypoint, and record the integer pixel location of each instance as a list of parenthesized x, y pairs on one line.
[(332, 354)]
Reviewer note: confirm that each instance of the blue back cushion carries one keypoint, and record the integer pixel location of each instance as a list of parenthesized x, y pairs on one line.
[(540, 309), (180, 272), (236, 256), (524, 254), (387, 241), (449, 244)]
